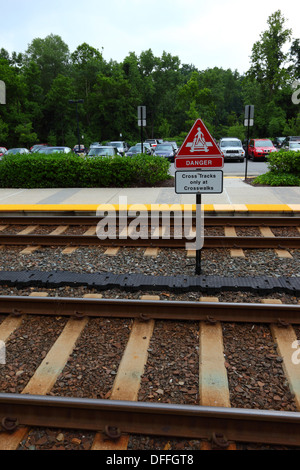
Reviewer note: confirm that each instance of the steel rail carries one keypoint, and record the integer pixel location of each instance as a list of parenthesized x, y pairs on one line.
[(185, 421), (93, 240), (209, 220), (151, 309)]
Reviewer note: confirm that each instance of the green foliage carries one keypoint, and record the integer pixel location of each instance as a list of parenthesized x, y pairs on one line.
[(277, 179), (3, 131), (268, 58), (52, 57), (284, 170), (25, 134), (236, 130), (284, 162), (292, 127), (71, 171)]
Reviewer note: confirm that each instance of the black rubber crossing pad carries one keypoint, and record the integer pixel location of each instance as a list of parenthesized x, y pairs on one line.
[(141, 282)]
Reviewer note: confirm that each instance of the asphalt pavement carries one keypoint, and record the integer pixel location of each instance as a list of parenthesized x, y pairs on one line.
[(254, 168)]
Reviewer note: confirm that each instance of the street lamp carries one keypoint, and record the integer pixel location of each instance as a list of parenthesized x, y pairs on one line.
[(78, 135)]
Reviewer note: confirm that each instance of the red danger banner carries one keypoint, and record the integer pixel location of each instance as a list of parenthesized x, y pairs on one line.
[(198, 162)]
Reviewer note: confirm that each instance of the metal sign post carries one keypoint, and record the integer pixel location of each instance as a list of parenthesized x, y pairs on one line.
[(249, 120), (198, 251), (142, 121)]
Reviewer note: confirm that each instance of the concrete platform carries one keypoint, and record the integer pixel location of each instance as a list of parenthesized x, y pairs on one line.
[(237, 196)]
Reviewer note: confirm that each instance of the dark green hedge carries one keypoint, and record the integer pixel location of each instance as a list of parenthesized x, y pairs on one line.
[(72, 171), (284, 170)]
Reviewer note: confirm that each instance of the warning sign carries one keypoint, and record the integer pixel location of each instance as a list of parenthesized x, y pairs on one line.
[(199, 143)]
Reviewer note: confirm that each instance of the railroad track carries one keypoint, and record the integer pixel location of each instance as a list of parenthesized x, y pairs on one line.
[(263, 238), (166, 371), (120, 370)]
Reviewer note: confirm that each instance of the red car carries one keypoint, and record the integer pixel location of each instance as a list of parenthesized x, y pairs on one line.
[(260, 148)]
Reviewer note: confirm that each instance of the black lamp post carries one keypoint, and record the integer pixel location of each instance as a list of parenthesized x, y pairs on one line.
[(78, 135)]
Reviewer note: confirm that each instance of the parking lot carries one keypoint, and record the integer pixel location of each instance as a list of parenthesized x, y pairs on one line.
[(238, 168)]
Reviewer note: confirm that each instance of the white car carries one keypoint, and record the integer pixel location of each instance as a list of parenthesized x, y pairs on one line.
[(232, 149), (295, 146)]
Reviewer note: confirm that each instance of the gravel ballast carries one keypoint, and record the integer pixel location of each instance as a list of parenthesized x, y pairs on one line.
[(255, 370), (168, 262)]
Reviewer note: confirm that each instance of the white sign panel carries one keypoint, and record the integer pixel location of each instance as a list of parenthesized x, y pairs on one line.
[(249, 115), (141, 116), (2, 92), (195, 182)]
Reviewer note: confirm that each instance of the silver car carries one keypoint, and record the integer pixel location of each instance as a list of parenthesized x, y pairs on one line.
[(103, 151), (120, 145), (16, 151), (48, 150)]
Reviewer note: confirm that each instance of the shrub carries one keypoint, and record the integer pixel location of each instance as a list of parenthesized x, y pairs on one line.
[(69, 171), (284, 162), (284, 170), (278, 179)]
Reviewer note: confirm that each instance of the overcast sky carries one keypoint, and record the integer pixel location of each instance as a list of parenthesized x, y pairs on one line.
[(203, 33)]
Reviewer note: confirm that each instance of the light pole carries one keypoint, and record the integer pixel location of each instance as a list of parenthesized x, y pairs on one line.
[(78, 135)]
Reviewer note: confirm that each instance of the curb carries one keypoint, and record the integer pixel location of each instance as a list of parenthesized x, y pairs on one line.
[(222, 209)]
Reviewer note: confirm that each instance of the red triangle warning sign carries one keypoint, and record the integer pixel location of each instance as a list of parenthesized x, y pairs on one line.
[(199, 143)]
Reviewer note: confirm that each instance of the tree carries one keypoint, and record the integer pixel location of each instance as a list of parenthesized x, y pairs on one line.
[(60, 115), (166, 79), (87, 63), (268, 60), (14, 112), (295, 58), (197, 100), (108, 106), (271, 77), (52, 57), (34, 97), (3, 131), (26, 135)]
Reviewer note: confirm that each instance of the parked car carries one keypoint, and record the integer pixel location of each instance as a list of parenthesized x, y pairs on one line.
[(2, 151), (103, 151), (42, 149), (82, 149), (137, 148), (16, 151), (295, 146), (49, 150), (173, 143), (153, 142), (165, 150), (95, 144), (260, 148), (292, 138), (37, 147), (278, 141), (121, 146), (232, 149)]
